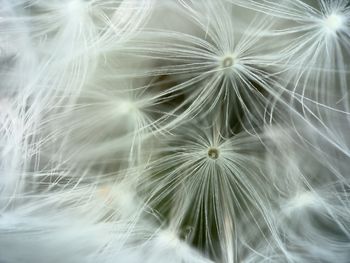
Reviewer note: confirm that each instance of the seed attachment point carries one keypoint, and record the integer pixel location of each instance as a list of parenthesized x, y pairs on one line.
[(228, 62), (334, 22), (213, 153)]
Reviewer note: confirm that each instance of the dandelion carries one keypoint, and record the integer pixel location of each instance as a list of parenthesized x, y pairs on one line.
[(210, 184), (220, 61), (174, 131)]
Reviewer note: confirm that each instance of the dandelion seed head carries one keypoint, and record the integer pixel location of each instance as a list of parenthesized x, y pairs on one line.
[(130, 135), (169, 238), (127, 107), (304, 199), (213, 153), (76, 6), (333, 22), (120, 197), (228, 61), (300, 201)]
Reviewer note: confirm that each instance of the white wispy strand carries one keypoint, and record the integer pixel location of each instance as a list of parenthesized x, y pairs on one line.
[(314, 41), (214, 62)]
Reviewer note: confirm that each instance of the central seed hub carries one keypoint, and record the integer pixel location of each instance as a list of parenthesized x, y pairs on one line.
[(213, 153), (227, 62), (334, 22)]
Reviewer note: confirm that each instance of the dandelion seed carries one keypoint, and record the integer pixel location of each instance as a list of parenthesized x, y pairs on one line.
[(301, 201), (208, 188), (228, 61), (213, 153), (220, 62), (334, 22), (127, 107)]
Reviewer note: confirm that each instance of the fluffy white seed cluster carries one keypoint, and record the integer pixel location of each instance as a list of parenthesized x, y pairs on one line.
[(174, 131)]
